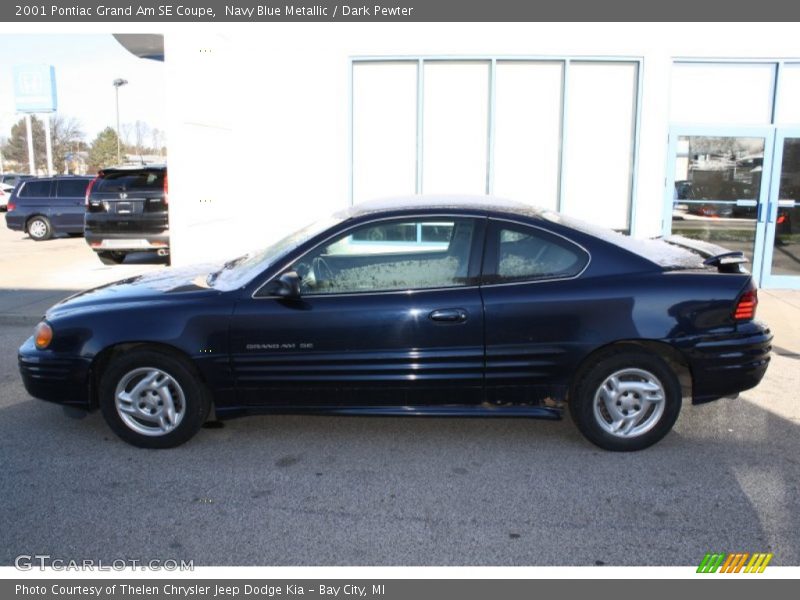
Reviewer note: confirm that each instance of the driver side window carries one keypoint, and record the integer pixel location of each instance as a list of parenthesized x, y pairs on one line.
[(389, 256)]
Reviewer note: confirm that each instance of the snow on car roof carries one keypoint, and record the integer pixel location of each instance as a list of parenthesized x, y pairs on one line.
[(428, 201)]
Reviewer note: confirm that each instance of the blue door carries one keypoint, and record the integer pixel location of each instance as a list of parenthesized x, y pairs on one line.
[(718, 188), (781, 262), (70, 199), (390, 313)]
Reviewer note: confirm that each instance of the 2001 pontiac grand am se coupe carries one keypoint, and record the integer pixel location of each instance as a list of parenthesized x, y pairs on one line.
[(422, 306)]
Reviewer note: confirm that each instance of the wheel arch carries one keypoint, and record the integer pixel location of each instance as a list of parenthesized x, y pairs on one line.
[(103, 358), (31, 217), (669, 354)]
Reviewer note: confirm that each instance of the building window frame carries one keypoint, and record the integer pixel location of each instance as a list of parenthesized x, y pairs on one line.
[(492, 61)]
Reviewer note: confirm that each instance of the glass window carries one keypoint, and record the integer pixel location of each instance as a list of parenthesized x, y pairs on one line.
[(601, 114), (528, 131), (396, 255), (524, 253), (123, 181), (384, 129), (72, 188), (789, 94), (722, 93), (455, 134), (35, 189), (718, 182)]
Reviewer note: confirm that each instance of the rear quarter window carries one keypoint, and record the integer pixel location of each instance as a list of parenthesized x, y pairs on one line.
[(521, 253)]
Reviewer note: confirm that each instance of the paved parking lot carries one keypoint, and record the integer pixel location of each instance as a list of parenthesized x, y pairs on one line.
[(287, 490), (34, 275)]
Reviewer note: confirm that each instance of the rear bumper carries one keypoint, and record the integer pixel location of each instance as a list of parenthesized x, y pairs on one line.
[(136, 232), (726, 364), (15, 221), (54, 378), (127, 242)]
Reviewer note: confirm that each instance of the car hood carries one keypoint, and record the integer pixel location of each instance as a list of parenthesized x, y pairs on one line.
[(164, 285)]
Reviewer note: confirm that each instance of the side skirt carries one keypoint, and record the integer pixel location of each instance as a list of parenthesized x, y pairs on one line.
[(480, 410)]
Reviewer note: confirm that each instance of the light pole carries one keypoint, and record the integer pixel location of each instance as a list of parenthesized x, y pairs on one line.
[(118, 83)]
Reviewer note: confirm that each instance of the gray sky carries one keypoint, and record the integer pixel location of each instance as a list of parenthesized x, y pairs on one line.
[(85, 67)]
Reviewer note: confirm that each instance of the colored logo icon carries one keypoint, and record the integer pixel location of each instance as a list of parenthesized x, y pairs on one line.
[(737, 562)]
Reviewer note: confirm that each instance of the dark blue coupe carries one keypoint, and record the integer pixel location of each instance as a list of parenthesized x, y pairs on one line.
[(422, 306)]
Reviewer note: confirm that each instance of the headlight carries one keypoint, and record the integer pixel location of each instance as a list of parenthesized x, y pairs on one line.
[(42, 335)]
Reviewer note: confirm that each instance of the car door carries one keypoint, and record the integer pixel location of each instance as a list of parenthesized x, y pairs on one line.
[(389, 313), (533, 303), (71, 199), (35, 196)]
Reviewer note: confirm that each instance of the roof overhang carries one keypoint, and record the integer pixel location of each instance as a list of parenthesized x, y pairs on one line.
[(143, 45)]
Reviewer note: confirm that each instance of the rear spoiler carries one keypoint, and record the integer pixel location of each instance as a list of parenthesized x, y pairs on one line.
[(726, 261)]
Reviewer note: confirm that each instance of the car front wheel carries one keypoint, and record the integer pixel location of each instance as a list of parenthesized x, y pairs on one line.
[(153, 399), (627, 401)]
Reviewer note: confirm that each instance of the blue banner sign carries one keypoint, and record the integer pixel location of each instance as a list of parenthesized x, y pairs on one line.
[(35, 88)]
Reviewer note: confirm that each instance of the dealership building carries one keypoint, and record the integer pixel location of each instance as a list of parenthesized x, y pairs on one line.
[(650, 129)]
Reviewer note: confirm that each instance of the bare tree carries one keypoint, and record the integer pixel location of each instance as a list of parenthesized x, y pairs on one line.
[(140, 131), (67, 137), (157, 139), (125, 131)]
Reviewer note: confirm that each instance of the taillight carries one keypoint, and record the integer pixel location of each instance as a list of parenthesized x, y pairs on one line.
[(746, 306), (11, 206), (781, 219), (89, 188), (166, 190)]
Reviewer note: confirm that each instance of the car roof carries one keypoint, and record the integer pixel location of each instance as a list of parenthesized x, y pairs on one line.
[(428, 202), (55, 178), (142, 167)]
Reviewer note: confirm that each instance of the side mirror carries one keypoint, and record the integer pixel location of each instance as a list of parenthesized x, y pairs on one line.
[(288, 285)]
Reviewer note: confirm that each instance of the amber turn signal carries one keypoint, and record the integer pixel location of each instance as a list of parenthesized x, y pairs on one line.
[(43, 335)]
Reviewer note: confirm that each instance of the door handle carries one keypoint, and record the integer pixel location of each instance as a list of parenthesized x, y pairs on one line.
[(449, 315)]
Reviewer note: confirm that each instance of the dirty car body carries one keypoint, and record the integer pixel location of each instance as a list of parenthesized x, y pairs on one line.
[(442, 307)]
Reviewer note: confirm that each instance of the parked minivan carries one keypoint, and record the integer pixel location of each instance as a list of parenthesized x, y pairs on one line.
[(45, 206)]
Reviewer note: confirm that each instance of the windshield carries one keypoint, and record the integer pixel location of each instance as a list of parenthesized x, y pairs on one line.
[(240, 271)]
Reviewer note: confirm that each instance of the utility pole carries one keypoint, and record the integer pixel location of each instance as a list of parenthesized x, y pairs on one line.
[(31, 163), (48, 144), (118, 83)]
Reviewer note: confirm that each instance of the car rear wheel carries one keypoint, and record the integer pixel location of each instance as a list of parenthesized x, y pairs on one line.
[(39, 229), (627, 401), (111, 257), (153, 399)]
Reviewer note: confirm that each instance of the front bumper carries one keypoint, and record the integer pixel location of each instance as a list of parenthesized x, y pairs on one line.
[(54, 378), (729, 363)]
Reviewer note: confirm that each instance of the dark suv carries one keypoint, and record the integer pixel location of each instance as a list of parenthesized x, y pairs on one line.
[(44, 206), (126, 211)]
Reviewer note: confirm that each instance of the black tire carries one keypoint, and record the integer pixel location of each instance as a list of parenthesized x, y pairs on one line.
[(39, 228), (586, 393), (111, 257), (195, 398)]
